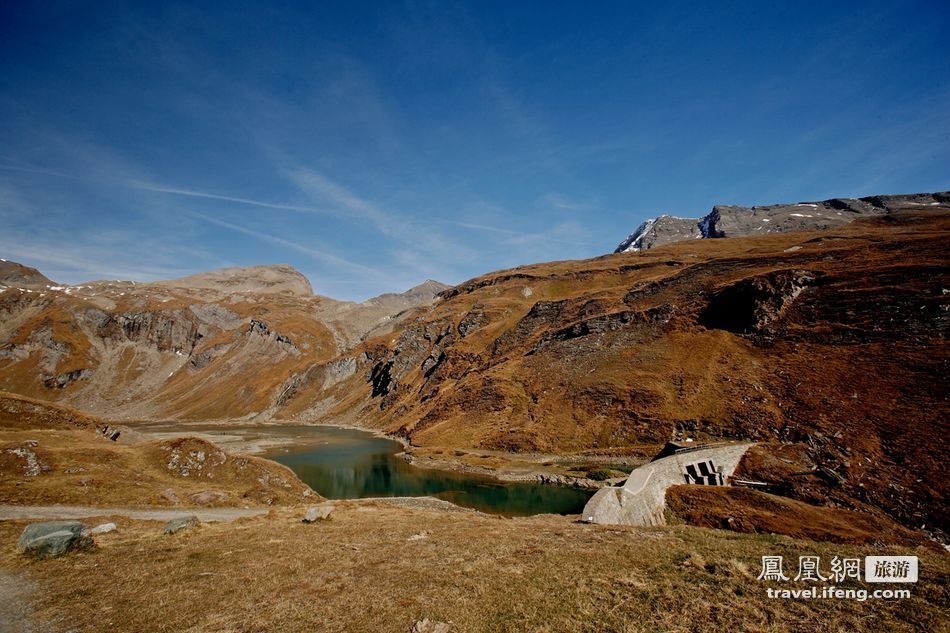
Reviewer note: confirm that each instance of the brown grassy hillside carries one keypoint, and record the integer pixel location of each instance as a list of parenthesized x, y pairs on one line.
[(55, 455), (828, 347)]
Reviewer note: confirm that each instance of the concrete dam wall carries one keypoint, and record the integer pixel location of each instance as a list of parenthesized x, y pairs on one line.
[(642, 498)]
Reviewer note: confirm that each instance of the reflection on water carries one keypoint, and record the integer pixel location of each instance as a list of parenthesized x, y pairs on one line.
[(348, 464)]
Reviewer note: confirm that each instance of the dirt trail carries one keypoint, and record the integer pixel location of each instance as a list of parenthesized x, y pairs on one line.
[(16, 591), (14, 512)]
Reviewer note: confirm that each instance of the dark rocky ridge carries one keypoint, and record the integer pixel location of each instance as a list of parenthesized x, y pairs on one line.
[(736, 221)]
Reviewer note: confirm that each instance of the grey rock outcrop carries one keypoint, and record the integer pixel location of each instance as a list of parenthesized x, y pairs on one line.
[(430, 626), (423, 294), (660, 230), (208, 497), (53, 538), (275, 279), (753, 303)]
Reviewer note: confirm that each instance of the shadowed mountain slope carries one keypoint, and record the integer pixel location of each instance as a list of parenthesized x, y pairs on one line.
[(828, 347)]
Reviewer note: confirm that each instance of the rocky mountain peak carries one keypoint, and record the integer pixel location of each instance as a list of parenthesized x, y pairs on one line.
[(273, 279), (661, 229), (737, 221), (16, 275), (421, 294)]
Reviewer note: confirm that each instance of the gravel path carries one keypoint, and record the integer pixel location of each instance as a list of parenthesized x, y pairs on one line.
[(16, 592), (13, 512)]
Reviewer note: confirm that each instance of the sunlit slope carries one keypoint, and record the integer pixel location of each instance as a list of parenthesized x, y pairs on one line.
[(127, 350), (50, 454), (222, 344)]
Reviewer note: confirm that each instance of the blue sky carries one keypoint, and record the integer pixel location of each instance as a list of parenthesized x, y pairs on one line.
[(374, 145)]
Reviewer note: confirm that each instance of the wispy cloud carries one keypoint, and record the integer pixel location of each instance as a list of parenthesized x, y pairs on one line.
[(37, 170), (439, 253), (74, 262), (320, 187), (560, 201), (320, 255), (191, 193), (520, 235), (176, 191)]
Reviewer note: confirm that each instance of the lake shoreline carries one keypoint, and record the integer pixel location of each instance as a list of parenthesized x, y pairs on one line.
[(346, 462), (501, 466)]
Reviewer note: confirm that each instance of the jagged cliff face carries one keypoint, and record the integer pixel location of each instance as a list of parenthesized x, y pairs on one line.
[(664, 229), (733, 221), (216, 345), (829, 347), (351, 322)]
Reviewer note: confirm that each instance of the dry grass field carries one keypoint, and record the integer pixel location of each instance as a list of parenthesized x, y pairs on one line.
[(377, 567)]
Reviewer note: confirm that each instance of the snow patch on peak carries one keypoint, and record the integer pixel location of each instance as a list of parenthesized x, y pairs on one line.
[(634, 241)]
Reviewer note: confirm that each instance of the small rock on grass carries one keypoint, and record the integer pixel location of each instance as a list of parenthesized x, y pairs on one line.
[(318, 513), (181, 523), (103, 528), (208, 497), (53, 538), (169, 495), (429, 626)]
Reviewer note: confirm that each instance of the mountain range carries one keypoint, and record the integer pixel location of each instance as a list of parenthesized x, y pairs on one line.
[(825, 346), (170, 349), (735, 221)]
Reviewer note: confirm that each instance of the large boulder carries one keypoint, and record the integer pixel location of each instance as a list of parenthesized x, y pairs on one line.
[(53, 538), (181, 523), (318, 513)]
